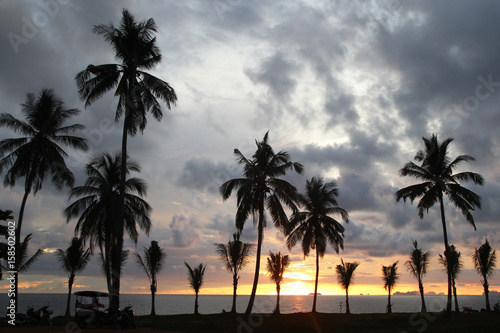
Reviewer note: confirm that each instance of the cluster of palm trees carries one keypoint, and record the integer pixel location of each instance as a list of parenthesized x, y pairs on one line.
[(110, 203)]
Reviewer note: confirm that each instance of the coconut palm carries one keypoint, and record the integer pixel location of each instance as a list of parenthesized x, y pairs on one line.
[(276, 267), (436, 171), (195, 278), (154, 258), (97, 208), (5, 215), (38, 153), (137, 91), (390, 277), (345, 274), (262, 188), (314, 225), (417, 266), (73, 260), (235, 256), (452, 258), (485, 261)]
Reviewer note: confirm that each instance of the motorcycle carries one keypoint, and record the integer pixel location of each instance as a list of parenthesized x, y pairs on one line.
[(32, 317), (126, 317)]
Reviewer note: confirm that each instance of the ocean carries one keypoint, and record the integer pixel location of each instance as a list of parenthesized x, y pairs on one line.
[(182, 304)]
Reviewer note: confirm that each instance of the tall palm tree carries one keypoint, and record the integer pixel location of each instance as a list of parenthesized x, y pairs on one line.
[(345, 273), (314, 225), (235, 256), (154, 258), (73, 260), (97, 208), (38, 154), (485, 261), (195, 278), (452, 259), (137, 91), (5, 215), (436, 171), (417, 266), (276, 267), (262, 188), (390, 276)]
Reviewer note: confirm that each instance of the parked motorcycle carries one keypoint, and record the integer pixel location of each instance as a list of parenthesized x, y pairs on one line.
[(126, 317), (32, 317)]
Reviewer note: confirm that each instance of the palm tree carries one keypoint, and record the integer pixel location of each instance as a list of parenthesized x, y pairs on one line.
[(436, 170), (195, 278), (260, 189), (135, 47), (5, 215), (38, 154), (97, 208), (417, 266), (345, 273), (235, 256), (390, 277), (452, 258), (276, 267), (73, 260), (314, 225), (154, 258), (485, 261)]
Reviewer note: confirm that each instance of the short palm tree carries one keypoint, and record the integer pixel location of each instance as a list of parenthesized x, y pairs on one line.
[(235, 256), (314, 225), (38, 153), (485, 261), (436, 171), (262, 188), (390, 276), (417, 266), (96, 208), (276, 267), (154, 258), (195, 278), (73, 260), (138, 92), (345, 274), (452, 259)]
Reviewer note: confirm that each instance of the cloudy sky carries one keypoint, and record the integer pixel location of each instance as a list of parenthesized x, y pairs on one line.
[(348, 88)]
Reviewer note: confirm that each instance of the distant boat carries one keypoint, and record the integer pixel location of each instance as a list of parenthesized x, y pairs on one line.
[(311, 294)]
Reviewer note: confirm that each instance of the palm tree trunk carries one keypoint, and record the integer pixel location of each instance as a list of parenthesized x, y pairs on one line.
[(277, 309), (70, 286), (389, 306), (196, 304), (457, 309), (421, 288), (486, 293), (257, 262), (153, 310), (235, 286), (316, 282), (446, 248), (18, 245), (347, 310)]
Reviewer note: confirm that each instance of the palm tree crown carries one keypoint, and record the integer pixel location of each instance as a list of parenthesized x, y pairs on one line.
[(262, 188), (314, 225)]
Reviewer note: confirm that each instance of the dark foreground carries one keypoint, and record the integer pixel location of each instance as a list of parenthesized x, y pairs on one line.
[(297, 322)]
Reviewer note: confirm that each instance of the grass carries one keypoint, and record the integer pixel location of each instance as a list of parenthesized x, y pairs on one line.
[(318, 322)]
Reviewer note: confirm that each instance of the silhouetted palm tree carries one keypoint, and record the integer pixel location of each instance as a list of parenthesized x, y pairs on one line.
[(436, 170), (5, 215), (154, 258), (98, 205), (276, 267), (485, 261), (390, 277), (452, 256), (260, 189), (73, 260), (235, 256), (345, 274), (38, 154), (195, 278), (417, 266), (136, 49), (314, 226)]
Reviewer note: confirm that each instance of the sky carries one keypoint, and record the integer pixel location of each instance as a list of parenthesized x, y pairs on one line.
[(347, 88)]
